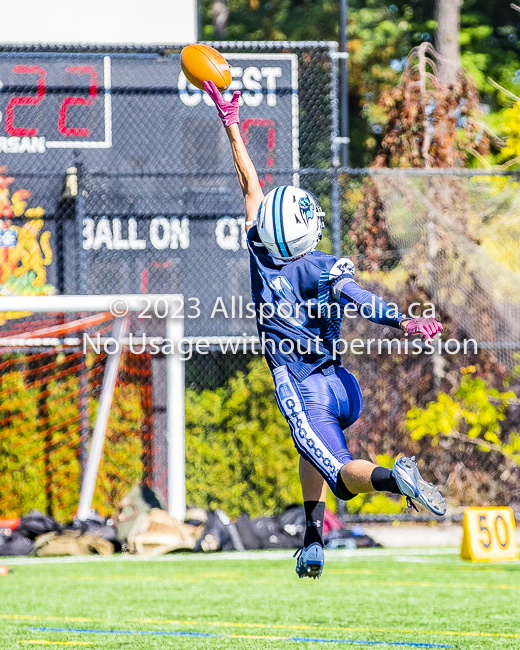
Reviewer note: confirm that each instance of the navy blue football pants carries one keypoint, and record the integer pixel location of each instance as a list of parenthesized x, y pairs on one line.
[(318, 409)]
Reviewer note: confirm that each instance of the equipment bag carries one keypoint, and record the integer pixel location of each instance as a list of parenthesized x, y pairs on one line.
[(271, 534), (215, 536), (36, 523), (247, 533), (16, 545), (71, 542), (157, 533)]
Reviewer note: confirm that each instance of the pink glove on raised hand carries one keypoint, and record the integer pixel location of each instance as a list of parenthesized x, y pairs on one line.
[(428, 327), (228, 111)]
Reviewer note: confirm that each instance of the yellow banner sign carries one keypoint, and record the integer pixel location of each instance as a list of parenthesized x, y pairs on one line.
[(489, 535)]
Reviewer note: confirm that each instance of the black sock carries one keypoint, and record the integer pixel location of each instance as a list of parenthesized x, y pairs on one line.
[(383, 481), (314, 515)]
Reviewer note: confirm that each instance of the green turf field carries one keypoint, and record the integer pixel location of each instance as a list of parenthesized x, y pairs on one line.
[(370, 599)]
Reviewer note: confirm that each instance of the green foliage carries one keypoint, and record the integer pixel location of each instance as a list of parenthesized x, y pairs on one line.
[(239, 451), (121, 466), (252, 20), (473, 415), (374, 503), (515, 372), (20, 473), (488, 40), (510, 127), (381, 33), (39, 437), (39, 465)]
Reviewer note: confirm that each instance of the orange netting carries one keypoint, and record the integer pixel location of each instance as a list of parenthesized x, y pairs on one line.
[(48, 405)]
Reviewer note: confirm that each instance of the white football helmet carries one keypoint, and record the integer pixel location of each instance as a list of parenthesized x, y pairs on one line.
[(289, 222)]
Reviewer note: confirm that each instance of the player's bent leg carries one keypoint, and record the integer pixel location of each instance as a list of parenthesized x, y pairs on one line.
[(314, 490), (361, 476), (314, 487), (357, 476), (412, 485)]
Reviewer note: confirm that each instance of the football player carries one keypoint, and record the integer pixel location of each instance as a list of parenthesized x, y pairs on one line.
[(295, 288)]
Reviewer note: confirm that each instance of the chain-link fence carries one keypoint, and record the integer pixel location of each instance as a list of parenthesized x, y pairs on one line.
[(445, 239), (131, 180), (117, 178), (448, 236)]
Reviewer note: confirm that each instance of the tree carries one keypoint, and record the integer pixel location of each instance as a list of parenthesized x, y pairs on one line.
[(447, 34), (425, 124), (380, 37), (220, 18)]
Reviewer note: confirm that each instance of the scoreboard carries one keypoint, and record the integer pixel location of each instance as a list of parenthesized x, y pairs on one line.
[(133, 113), (159, 209), (52, 103)]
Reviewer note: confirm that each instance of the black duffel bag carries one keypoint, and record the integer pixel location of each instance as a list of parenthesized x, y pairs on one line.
[(247, 533), (35, 524), (271, 534), (16, 545), (98, 527), (215, 536)]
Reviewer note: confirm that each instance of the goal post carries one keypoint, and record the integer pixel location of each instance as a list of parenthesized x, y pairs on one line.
[(27, 342), (100, 427)]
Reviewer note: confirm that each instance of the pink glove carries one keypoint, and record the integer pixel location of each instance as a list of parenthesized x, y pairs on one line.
[(228, 111), (428, 327)]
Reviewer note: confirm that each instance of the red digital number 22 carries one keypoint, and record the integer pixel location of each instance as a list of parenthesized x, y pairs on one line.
[(78, 101), (25, 101)]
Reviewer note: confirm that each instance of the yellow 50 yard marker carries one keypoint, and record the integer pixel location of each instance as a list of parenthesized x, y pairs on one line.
[(489, 535)]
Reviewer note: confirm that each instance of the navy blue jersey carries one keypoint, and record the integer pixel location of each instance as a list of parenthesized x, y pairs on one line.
[(299, 306)]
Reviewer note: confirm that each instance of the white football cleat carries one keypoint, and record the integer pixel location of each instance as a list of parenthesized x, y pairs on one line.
[(413, 486), (310, 561)]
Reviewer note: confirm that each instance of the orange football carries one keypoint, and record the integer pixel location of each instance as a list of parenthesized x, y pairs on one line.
[(203, 63)]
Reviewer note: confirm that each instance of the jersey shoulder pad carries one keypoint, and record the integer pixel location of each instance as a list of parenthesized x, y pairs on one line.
[(342, 266), (252, 235), (314, 263)]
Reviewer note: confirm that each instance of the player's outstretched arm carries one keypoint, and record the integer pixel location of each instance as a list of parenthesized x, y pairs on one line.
[(246, 172), (372, 307)]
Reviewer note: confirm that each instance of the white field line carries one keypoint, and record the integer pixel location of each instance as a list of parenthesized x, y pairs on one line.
[(335, 555)]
